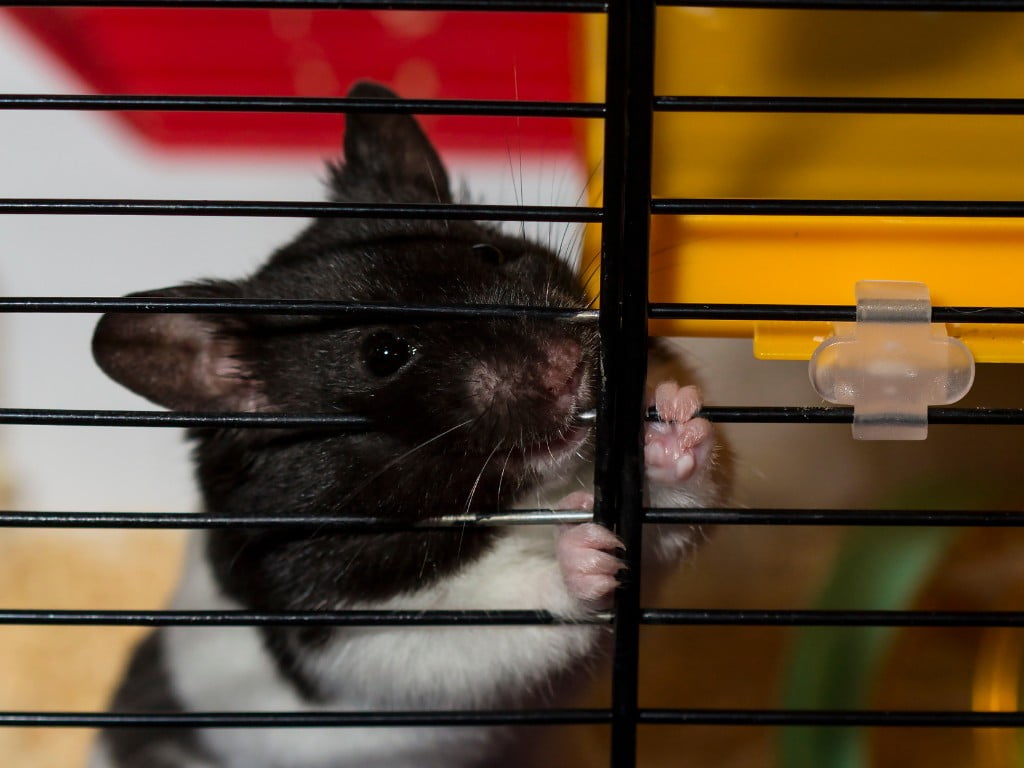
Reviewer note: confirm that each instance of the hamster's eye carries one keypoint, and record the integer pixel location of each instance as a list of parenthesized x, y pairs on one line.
[(492, 254), (384, 353)]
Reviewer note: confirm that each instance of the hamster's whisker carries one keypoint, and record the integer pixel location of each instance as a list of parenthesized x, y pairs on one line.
[(504, 468), (592, 270), (519, 141), (401, 457), (516, 190), (576, 241), (479, 476), (574, 233), (590, 181)]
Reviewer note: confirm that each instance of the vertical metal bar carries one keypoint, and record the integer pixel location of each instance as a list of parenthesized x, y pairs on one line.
[(629, 95)]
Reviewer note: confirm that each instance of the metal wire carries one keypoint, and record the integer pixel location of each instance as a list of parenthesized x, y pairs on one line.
[(290, 618), (630, 102), (772, 207), (761, 618), (820, 313), (883, 518), (854, 105), (770, 414), (505, 108), (844, 415), (475, 718), (514, 6), (305, 210), (858, 5), (365, 313), (661, 616), (625, 240), (844, 718), (674, 516), (535, 6), (562, 717), (392, 313), (300, 105), (573, 214), (322, 522), (84, 418)]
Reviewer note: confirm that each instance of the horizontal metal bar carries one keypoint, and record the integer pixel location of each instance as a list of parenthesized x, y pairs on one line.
[(705, 206), (505, 108), (665, 516), (535, 6), (835, 105), (477, 618), (552, 717), (834, 618), (298, 104), (844, 415), (821, 313), (525, 6), (196, 521), (348, 310), (419, 313), (302, 719), (862, 718), (988, 416), (857, 5), (84, 418), (858, 517), (775, 414), (774, 207), (350, 422), (136, 207), (177, 419), (290, 618), (795, 312)]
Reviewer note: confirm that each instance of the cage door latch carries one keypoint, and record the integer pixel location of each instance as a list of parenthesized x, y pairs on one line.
[(892, 363)]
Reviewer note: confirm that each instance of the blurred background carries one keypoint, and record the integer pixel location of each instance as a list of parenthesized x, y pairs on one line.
[(45, 360)]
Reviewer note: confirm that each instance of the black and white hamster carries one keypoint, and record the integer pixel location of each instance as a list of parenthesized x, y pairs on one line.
[(470, 414)]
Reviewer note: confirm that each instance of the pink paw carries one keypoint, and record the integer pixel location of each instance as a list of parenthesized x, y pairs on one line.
[(585, 556), (678, 447)]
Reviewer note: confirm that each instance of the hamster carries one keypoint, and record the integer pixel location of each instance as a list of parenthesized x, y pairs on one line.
[(470, 415)]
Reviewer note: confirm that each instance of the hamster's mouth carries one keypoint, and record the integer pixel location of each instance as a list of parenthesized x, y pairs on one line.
[(547, 455), (551, 454)]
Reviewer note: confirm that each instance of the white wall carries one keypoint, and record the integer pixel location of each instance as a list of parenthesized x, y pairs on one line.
[(45, 360)]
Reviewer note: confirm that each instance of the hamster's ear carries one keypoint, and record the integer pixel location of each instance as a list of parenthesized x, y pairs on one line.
[(388, 157), (185, 362)]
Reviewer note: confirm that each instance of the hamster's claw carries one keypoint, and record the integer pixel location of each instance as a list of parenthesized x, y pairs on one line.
[(586, 556), (678, 447)]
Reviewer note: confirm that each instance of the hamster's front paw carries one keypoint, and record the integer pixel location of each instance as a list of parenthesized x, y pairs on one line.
[(677, 448), (586, 556)]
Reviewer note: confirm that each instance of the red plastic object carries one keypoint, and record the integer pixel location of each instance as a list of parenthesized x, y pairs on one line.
[(316, 53)]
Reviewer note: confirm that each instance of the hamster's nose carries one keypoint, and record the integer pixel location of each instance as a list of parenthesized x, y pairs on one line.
[(560, 373)]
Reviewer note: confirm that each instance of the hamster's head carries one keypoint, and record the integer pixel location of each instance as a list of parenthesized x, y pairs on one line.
[(468, 411)]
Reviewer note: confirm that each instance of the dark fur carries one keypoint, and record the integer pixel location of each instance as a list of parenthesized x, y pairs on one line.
[(148, 689), (314, 364)]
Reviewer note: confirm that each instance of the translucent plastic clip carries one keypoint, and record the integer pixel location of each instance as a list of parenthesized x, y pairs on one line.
[(892, 363)]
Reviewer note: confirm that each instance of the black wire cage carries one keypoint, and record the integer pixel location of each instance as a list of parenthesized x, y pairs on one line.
[(627, 113)]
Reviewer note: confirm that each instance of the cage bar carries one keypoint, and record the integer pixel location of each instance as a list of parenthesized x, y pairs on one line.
[(625, 242), (298, 105), (304, 210), (630, 101)]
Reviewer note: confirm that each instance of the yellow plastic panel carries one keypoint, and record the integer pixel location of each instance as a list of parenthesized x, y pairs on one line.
[(818, 260)]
